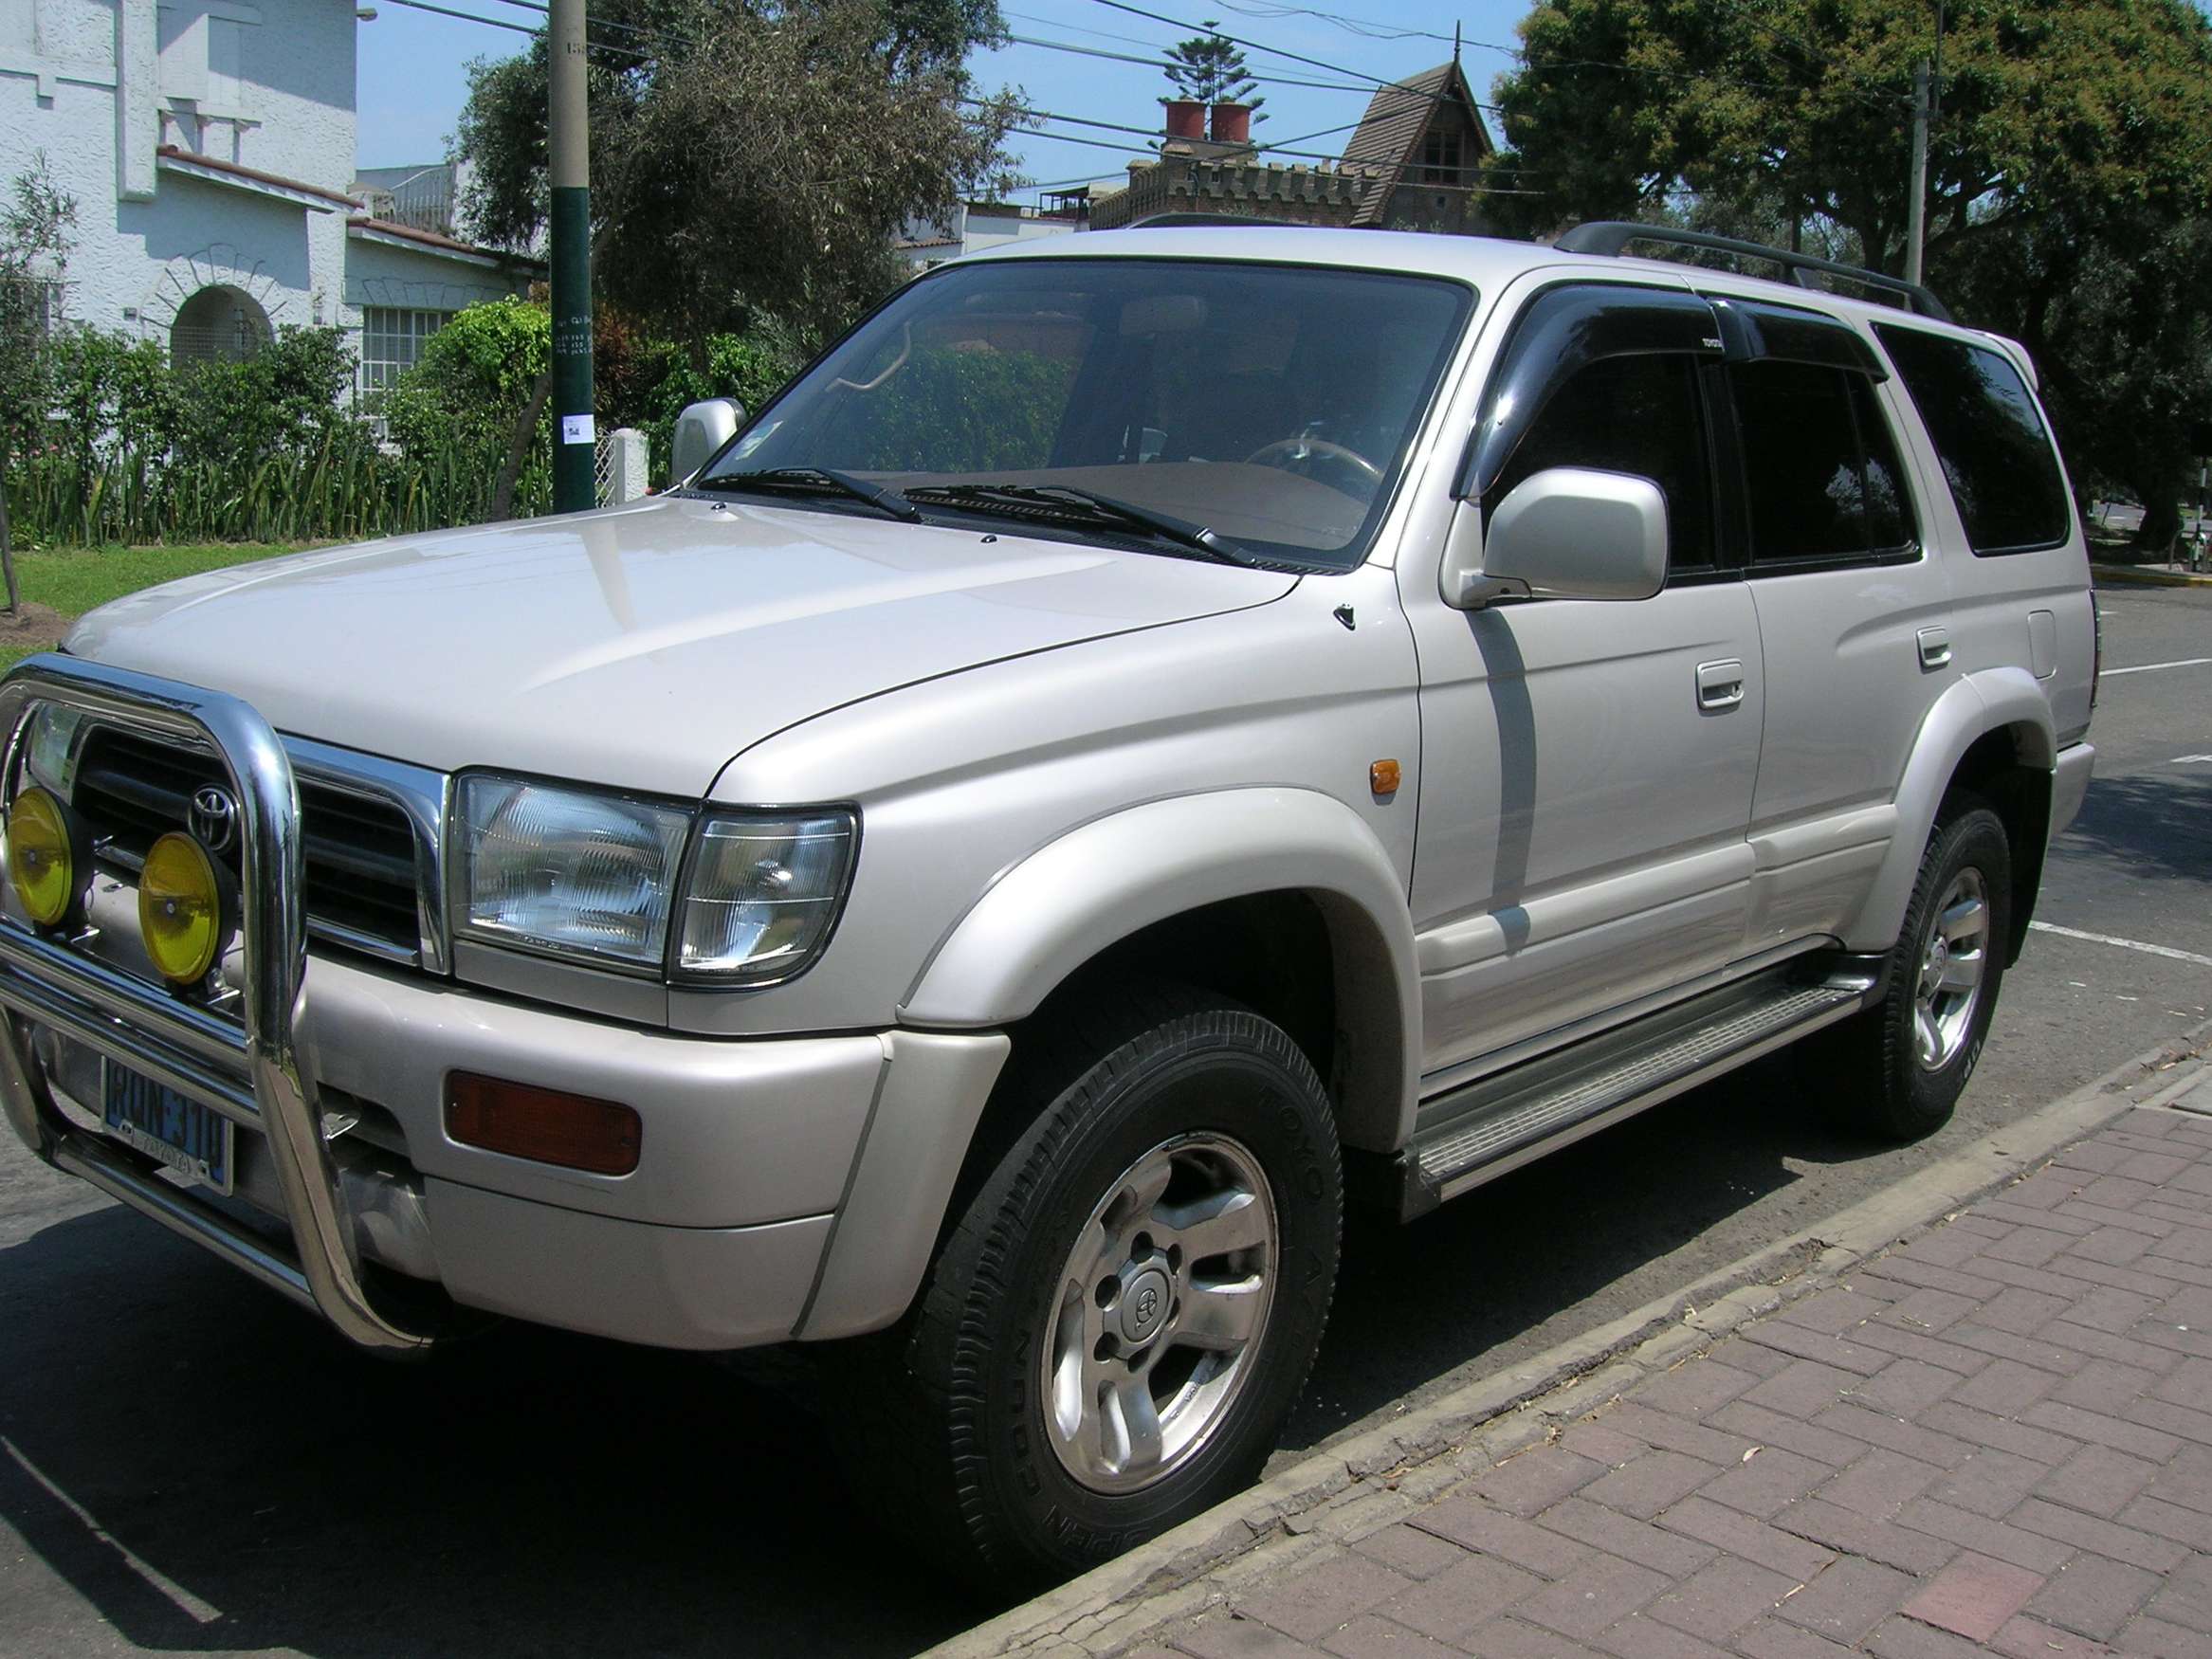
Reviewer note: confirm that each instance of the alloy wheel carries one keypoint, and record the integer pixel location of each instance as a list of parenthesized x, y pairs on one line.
[(1157, 1316), (1953, 961)]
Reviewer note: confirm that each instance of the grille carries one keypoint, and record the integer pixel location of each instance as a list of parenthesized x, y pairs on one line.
[(359, 853)]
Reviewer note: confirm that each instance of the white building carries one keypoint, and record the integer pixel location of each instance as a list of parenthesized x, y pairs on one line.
[(209, 147), (976, 225)]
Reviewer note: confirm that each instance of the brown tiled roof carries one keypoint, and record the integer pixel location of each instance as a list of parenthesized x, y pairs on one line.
[(178, 153), (1391, 130), (432, 239)]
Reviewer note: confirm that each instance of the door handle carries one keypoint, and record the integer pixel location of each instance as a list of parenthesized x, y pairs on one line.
[(1935, 648), (1720, 684)]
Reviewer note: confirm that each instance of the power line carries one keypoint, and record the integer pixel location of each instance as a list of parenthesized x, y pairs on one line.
[(1257, 46), (1360, 25), (1519, 53), (517, 27), (1162, 64), (466, 16)]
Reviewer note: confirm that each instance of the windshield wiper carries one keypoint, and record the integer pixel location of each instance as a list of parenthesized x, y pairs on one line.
[(818, 480), (1066, 500)]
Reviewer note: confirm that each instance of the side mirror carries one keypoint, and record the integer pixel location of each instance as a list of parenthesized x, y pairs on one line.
[(1565, 533), (700, 429)]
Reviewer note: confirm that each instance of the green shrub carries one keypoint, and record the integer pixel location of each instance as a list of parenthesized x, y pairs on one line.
[(466, 391), (140, 450), (291, 395)]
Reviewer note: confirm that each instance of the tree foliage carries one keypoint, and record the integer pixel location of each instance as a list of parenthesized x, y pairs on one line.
[(748, 157), (1806, 106), (36, 227), (2112, 302), (1209, 68)]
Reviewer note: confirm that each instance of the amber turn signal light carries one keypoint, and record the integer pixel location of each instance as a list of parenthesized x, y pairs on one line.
[(545, 1125), (1383, 777)]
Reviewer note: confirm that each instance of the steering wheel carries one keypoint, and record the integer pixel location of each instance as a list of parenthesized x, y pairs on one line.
[(1296, 450)]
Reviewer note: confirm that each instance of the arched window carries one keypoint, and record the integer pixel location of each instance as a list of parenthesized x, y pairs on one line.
[(218, 325)]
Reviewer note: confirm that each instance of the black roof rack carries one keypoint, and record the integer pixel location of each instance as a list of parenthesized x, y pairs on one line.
[(1611, 236)]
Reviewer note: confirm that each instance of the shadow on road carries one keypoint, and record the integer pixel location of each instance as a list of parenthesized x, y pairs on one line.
[(1416, 1301), (2155, 826), (209, 1470)]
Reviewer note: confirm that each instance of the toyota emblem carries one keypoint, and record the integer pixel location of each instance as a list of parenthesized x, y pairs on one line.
[(214, 818)]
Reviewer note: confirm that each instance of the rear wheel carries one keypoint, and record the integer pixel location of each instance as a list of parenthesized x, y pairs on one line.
[(1898, 1069), (1124, 1313)]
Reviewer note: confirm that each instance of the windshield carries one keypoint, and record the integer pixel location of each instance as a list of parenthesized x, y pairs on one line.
[(1270, 405)]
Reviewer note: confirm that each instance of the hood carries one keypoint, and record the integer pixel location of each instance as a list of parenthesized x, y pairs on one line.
[(640, 647)]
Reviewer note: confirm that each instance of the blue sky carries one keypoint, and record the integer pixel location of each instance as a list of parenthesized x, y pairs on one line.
[(412, 76)]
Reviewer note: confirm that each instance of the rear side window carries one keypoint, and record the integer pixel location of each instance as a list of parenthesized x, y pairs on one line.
[(1996, 454), (1819, 464), (1642, 416)]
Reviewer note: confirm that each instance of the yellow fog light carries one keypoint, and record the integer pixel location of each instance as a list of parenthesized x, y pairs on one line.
[(182, 909), (42, 856)]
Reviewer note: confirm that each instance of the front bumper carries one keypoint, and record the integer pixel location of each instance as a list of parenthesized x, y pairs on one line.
[(784, 1188)]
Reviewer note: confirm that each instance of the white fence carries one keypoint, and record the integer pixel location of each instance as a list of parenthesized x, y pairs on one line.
[(619, 466)]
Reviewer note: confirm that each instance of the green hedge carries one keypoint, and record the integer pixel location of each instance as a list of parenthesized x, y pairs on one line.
[(133, 448)]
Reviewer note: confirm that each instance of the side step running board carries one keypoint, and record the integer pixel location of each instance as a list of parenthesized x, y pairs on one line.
[(1498, 1124)]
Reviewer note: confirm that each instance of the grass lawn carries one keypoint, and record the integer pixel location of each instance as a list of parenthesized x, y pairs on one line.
[(70, 581)]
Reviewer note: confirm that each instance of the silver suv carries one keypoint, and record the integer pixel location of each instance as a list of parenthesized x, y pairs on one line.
[(1149, 726)]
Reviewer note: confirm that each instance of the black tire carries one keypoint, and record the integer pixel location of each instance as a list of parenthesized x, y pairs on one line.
[(946, 1413), (1873, 1076)]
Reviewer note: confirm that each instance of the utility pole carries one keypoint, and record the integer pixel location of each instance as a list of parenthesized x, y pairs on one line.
[(568, 154), (1916, 195)]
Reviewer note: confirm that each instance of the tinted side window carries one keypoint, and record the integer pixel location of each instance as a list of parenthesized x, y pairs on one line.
[(1996, 455), (1820, 467), (1890, 520), (1642, 416)]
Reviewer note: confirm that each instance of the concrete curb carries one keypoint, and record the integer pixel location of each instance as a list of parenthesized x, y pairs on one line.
[(2135, 575), (1402, 1464)]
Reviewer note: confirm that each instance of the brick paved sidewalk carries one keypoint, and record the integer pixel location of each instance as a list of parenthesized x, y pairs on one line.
[(1995, 1439)]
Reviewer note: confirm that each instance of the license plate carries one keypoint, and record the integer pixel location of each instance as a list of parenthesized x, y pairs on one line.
[(164, 1124)]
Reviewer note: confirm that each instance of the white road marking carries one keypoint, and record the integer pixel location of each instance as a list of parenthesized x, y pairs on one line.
[(187, 1603), (2126, 944), (2154, 667), (2188, 759)]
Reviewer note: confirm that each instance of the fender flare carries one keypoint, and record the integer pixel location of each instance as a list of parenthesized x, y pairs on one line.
[(1056, 909), (1986, 700)]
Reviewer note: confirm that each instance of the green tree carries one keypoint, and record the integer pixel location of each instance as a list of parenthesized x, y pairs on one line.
[(35, 228), (2112, 302), (1209, 68), (1806, 106), (748, 157)]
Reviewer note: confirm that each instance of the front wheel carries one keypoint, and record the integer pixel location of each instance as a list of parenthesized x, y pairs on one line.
[(1899, 1068), (1114, 1332)]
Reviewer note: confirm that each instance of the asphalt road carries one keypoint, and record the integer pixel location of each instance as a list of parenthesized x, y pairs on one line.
[(189, 1465)]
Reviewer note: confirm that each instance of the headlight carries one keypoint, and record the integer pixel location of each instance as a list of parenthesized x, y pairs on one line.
[(48, 747), (762, 895), (576, 873), (568, 872)]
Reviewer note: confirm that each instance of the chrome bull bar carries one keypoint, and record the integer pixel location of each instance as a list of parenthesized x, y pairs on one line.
[(254, 1070)]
